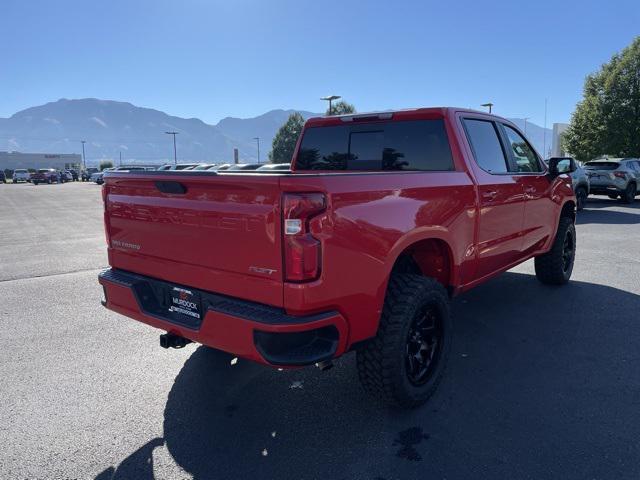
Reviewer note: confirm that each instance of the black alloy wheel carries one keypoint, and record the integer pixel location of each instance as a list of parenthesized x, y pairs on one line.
[(424, 345)]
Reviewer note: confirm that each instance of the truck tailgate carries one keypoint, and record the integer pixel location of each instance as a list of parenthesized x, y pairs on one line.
[(219, 233)]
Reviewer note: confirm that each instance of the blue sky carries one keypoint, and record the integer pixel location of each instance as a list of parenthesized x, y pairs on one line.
[(211, 59)]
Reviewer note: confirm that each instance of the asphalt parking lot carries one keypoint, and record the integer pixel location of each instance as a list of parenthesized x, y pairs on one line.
[(543, 382)]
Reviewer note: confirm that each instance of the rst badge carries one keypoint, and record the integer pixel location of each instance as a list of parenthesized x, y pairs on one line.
[(267, 271)]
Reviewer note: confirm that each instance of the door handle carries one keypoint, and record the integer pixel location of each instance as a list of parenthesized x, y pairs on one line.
[(489, 194)]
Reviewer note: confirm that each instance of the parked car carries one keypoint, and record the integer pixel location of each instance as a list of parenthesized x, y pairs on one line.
[(221, 168), (3, 177), (581, 185), (97, 177), (384, 217), (277, 167), (65, 176), (75, 175), (245, 166), (45, 175), (580, 182), (204, 166), (615, 177), (179, 166), (133, 168), (21, 175), (86, 173)]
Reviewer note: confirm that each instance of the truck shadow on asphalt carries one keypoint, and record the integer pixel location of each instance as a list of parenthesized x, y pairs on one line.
[(532, 382)]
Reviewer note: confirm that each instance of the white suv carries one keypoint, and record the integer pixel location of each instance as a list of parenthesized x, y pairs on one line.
[(21, 175)]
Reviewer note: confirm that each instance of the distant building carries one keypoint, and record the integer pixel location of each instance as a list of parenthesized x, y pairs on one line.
[(556, 143), (13, 160)]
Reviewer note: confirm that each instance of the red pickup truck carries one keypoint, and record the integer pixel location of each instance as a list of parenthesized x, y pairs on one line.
[(383, 218)]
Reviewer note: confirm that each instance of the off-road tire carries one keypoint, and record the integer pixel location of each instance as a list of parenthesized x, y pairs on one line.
[(382, 362), (629, 194), (551, 267)]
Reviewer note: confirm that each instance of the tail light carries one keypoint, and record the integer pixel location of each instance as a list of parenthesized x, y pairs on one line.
[(301, 249), (620, 174)]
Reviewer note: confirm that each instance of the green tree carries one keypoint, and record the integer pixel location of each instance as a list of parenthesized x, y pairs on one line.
[(284, 143), (607, 119), (341, 108), (106, 164)]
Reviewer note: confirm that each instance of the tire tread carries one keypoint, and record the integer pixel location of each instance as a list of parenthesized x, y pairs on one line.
[(377, 362), (549, 266)]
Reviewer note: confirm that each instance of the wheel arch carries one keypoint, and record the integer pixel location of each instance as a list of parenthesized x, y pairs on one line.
[(429, 255)]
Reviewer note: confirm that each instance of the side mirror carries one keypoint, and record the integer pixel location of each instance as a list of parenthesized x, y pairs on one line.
[(560, 165)]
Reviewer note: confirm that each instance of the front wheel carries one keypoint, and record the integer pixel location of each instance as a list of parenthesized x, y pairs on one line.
[(555, 266), (403, 364)]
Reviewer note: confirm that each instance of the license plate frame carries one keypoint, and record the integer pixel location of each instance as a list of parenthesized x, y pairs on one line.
[(185, 303)]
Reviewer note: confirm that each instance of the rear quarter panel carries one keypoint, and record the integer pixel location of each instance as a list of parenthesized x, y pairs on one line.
[(370, 220)]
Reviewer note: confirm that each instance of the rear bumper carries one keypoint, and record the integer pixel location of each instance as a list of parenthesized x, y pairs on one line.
[(606, 189), (606, 186), (258, 332)]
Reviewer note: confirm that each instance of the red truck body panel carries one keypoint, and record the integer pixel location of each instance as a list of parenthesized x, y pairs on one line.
[(224, 234), (208, 237)]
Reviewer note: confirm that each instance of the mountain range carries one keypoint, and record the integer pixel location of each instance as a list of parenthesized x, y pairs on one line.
[(111, 128)]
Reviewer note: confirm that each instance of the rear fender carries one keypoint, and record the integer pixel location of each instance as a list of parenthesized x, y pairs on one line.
[(417, 236)]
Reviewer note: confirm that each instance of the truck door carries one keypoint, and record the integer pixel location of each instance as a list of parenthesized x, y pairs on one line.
[(539, 210), (500, 198)]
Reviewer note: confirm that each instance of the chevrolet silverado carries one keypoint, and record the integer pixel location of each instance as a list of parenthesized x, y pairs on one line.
[(382, 219)]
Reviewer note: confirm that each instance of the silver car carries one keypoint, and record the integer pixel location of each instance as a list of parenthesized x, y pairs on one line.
[(579, 181), (21, 175), (615, 177), (581, 185)]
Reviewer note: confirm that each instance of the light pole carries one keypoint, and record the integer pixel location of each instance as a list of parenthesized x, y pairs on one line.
[(544, 148), (330, 98), (84, 162), (525, 124), (488, 104), (257, 139), (175, 154)]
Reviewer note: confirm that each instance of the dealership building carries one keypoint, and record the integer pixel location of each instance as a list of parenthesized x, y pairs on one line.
[(556, 139), (59, 161)]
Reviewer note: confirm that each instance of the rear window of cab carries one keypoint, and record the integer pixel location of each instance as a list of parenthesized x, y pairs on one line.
[(413, 145)]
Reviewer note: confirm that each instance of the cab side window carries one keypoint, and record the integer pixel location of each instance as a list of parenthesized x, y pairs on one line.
[(525, 158), (487, 150)]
